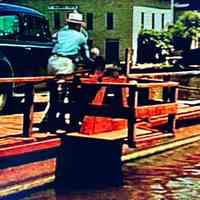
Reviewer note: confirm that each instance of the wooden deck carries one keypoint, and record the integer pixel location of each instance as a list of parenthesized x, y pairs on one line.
[(11, 128), (38, 171), (30, 161), (15, 178)]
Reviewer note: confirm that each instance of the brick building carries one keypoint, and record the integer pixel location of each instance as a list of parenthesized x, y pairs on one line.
[(113, 25)]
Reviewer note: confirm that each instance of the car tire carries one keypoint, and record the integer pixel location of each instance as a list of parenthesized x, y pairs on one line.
[(5, 89), (3, 101)]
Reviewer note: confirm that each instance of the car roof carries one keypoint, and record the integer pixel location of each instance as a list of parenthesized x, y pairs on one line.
[(13, 8)]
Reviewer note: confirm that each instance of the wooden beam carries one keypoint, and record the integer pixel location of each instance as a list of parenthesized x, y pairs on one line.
[(38, 79), (26, 79), (132, 104), (181, 73), (18, 150), (134, 83), (143, 112), (28, 110), (153, 85)]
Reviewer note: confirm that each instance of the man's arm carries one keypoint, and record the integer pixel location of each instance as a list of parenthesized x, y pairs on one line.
[(86, 49), (84, 32)]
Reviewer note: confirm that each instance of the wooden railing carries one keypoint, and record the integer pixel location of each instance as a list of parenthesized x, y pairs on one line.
[(28, 90), (163, 75), (29, 94), (131, 111), (166, 104)]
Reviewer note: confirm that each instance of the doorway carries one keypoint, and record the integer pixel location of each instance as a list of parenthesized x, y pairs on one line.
[(112, 51)]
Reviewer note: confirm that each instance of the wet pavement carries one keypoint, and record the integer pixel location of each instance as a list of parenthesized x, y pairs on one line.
[(171, 175)]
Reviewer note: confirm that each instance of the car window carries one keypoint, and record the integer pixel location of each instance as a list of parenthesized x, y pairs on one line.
[(35, 29), (9, 26)]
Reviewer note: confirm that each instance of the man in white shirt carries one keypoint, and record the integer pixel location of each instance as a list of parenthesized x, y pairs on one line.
[(70, 41), (66, 53)]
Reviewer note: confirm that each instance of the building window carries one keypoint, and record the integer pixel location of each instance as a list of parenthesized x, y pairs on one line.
[(109, 21), (57, 20), (112, 51), (142, 20), (89, 19), (163, 21), (153, 20)]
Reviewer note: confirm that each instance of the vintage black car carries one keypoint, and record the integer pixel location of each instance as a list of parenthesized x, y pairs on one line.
[(25, 45)]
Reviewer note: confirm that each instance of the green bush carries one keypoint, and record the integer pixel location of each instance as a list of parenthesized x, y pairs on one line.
[(185, 29), (153, 46)]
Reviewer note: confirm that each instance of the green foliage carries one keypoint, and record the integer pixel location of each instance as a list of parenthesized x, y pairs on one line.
[(187, 26), (157, 45), (184, 30), (160, 40)]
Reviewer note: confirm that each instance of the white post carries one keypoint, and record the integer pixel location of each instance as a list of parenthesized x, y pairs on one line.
[(172, 10)]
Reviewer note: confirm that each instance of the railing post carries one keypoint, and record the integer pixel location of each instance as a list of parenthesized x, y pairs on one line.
[(128, 60), (172, 117), (76, 109), (132, 103), (53, 105), (166, 90), (28, 110)]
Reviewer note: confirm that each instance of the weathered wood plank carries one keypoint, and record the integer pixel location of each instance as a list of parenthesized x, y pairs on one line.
[(26, 79), (162, 74), (28, 110), (162, 84), (30, 147), (156, 110)]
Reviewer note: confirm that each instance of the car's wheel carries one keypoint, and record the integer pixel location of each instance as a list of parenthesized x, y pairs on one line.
[(3, 100), (5, 89)]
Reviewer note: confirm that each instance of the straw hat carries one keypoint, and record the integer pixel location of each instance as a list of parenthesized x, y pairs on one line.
[(76, 18)]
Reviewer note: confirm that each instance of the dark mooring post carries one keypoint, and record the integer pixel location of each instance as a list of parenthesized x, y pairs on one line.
[(85, 162), (132, 102), (28, 110), (172, 117)]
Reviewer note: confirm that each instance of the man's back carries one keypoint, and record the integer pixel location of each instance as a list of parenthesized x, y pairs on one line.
[(69, 42)]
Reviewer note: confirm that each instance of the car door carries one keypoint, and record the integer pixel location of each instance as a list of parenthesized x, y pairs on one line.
[(11, 47), (38, 44)]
